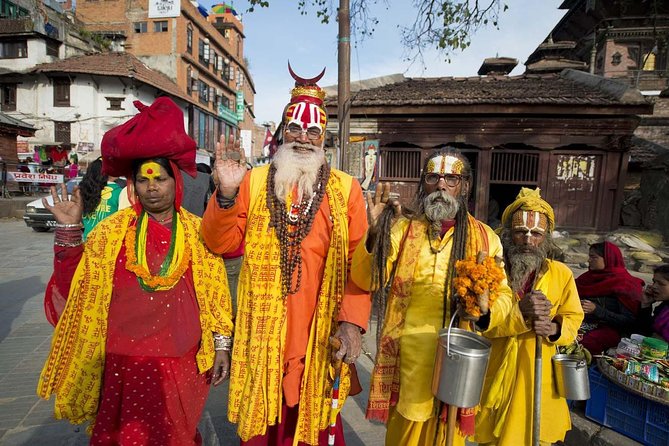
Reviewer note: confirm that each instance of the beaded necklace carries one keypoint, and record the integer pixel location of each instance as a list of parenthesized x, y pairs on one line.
[(430, 238), (292, 226)]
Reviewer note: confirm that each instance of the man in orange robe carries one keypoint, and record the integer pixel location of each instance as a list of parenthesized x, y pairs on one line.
[(300, 222)]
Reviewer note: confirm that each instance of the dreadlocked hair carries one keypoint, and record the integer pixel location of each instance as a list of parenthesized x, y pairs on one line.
[(91, 186), (380, 281), (457, 253)]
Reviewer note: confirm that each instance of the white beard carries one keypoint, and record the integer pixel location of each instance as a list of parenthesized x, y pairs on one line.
[(438, 210), (296, 169)]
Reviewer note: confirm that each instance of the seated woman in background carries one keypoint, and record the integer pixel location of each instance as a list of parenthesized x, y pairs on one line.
[(610, 297), (656, 320)]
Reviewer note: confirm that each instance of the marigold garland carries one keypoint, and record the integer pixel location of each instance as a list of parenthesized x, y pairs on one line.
[(473, 280), (153, 282)]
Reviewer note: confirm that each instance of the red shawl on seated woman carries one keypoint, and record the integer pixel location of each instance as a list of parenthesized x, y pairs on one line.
[(613, 280)]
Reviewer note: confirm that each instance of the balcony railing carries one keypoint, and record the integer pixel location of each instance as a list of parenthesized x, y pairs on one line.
[(15, 26)]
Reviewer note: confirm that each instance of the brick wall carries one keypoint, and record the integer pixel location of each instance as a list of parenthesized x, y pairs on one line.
[(8, 147)]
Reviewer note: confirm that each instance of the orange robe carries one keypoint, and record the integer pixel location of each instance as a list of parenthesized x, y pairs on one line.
[(224, 229)]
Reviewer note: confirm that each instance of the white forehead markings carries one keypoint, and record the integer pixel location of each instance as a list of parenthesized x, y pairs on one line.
[(526, 217)]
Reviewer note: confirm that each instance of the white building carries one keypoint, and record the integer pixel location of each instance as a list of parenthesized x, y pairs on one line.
[(77, 100), (54, 79)]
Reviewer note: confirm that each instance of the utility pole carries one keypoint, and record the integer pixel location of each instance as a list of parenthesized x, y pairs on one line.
[(344, 81)]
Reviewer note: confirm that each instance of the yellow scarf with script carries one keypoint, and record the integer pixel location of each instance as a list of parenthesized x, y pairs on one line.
[(74, 368), (257, 359)]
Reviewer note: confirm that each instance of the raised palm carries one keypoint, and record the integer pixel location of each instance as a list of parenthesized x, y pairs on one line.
[(66, 210), (230, 166), (377, 203)]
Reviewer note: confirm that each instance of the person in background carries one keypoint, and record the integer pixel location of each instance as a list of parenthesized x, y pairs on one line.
[(100, 194), (196, 190), (148, 324), (73, 167), (654, 320), (610, 297)]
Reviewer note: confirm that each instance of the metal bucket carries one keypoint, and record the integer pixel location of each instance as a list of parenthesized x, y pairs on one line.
[(460, 366), (571, 377)]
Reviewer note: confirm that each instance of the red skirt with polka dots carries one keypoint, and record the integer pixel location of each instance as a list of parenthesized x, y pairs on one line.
[(150, 401)]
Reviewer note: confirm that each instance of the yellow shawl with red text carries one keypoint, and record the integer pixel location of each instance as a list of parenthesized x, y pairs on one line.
[(255, 396), (74, 369)]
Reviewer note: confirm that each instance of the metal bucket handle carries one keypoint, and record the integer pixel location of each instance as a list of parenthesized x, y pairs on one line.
[(448, 335)]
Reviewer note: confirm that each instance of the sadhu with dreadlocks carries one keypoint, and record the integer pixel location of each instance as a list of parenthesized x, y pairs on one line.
[(416, 254), (300, 221), (547, 308)]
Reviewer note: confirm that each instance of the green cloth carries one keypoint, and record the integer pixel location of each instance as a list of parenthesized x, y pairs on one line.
[(109, 199)]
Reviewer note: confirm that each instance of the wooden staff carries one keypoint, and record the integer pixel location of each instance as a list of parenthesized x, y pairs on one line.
[(334, 408), (538, 353)]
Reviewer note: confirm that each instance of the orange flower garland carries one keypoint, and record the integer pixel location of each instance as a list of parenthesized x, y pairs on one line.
[(141, 272), (475, 280)]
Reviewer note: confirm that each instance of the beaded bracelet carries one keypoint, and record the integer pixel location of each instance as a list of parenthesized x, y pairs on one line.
[(68, 238), (222, 342), (224, 202)]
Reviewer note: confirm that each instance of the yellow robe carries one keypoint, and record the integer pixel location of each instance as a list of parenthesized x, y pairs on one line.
[(423, 320), (556, 281)]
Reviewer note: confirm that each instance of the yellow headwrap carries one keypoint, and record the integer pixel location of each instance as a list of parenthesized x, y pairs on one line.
[(529, 200)]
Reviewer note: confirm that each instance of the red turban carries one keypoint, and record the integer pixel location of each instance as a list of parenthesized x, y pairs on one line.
[(155, 132)]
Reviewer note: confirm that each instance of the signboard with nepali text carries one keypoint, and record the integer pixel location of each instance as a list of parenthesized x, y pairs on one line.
[(164, 8), (29, 177)]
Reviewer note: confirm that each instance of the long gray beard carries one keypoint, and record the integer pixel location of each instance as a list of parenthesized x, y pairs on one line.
[(439, 206), (296, 169), (520, 264)]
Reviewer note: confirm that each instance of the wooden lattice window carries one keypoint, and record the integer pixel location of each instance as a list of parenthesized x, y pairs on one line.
[(62, 131), (400, 164), (8, 92), (514, 168), (61, 91)]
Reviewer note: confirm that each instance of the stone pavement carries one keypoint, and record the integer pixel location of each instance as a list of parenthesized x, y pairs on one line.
[(25, 268)]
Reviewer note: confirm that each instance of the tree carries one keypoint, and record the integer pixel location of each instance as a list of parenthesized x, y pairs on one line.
[(446, 25)]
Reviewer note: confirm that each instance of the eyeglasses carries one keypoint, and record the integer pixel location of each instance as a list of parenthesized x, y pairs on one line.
[(451, 180), (313, 133)]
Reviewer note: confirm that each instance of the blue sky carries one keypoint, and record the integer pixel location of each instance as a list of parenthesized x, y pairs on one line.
[(279, 33)]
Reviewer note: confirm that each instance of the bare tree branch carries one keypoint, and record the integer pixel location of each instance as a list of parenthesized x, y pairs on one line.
[(445, 25)]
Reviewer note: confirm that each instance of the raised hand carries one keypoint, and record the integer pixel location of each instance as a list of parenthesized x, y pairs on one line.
[(377, 203), (66, 210), (230, 166)]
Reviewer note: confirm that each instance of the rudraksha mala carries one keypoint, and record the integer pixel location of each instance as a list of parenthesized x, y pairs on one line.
[(292, 233)]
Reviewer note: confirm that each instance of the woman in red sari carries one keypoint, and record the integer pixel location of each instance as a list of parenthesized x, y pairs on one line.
[(148, 309), (610, 297)]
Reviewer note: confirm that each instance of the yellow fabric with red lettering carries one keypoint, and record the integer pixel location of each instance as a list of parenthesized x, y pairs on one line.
[(256, 393), (74, 368), (508, 393)]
